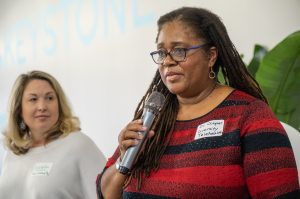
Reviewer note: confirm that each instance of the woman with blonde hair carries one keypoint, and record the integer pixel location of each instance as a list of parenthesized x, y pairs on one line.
[(48, 156)]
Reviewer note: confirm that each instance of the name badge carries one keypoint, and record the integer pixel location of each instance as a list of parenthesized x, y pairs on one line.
[(42, 169), (211, 128)]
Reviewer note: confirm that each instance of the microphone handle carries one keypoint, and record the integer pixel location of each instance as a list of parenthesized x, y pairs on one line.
[(132, 152)]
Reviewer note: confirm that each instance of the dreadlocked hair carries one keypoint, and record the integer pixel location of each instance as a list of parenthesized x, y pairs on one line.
[(154, 147), (209, 27)]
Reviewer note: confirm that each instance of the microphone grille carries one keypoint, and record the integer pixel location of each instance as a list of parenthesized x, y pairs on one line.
[(156, 100)]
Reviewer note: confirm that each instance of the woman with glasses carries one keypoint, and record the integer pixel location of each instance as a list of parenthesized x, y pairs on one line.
[(211, 140)]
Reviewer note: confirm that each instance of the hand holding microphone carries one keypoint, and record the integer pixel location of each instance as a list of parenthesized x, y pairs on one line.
[(151, 110)]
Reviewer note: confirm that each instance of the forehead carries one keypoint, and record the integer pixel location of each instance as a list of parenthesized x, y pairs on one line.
[(176, 32), (38, 86)]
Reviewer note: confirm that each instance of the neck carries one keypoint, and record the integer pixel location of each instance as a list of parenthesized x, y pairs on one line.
[(197, 98), (38, 139)]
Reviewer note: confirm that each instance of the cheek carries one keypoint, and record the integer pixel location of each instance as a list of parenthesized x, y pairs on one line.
[(55, 111), (160, 69), (196, 69), (25, 110)]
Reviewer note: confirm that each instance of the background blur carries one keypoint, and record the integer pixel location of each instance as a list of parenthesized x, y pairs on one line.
[(99, 49)]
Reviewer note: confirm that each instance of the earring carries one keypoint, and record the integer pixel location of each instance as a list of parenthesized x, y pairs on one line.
[(22, 125), (211, 73)]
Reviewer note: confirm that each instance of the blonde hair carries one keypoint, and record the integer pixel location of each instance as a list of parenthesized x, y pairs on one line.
[(18, 139)]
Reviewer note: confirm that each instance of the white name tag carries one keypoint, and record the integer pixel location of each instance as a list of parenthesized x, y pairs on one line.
[(42, 169), (210, 129)]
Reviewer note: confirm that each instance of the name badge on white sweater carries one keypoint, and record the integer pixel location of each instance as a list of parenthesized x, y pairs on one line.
[(211, 128), (42, 169)]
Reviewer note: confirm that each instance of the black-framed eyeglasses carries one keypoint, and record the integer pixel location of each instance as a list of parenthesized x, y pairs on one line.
[(177, 54)]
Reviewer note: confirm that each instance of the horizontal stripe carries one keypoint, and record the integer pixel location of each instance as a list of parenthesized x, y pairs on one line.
[(263, 182), (229, 139), (213, 157), (271, 159), (232, 103), (131, 195), (225, 176), (261, 124), (180, 190), (265, 140), (182, 137), (294, 194)]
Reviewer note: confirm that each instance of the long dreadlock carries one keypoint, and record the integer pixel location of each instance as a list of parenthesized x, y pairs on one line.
[(210, 28)]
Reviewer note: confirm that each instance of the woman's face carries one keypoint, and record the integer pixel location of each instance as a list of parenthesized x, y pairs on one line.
[(39, 106), (190, 77)]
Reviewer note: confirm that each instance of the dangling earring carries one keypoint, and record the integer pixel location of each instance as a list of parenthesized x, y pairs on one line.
[(22, 125), (211, 73)]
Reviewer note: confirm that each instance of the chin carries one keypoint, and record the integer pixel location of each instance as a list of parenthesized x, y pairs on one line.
[(176, 88), (175, 91)]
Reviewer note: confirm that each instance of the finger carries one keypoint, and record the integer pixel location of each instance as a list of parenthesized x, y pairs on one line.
[(128, 139), (151, 134), (128, 143), (136, 125), (132, 135)]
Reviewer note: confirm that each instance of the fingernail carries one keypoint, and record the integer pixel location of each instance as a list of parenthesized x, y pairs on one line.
[(140, 135)]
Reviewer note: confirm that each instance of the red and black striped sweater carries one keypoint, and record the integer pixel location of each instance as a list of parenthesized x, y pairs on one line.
[(238, 150)]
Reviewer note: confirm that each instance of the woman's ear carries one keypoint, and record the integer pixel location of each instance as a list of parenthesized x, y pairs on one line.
[(213, 54)]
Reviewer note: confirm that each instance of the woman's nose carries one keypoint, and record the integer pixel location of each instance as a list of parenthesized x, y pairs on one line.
[(169, 61), (42, 106)]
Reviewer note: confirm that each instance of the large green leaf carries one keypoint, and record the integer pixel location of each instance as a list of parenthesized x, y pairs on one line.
[(258, 54), (279, 77)]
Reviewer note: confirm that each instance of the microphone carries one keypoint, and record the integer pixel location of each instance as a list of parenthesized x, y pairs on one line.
[(152, 107)]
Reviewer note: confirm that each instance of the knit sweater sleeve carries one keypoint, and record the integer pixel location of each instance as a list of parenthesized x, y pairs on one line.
[(268, 159)]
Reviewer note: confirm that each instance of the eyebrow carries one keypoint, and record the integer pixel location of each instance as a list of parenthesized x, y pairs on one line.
[(175, 43), (48, 93)]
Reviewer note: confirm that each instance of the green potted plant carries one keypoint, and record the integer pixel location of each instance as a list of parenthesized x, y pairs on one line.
[(278, 73)]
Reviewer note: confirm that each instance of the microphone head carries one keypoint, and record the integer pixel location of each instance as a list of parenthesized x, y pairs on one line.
[(155, 101)]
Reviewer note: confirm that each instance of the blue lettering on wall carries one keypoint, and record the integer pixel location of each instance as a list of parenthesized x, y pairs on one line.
[(18, 49), (118, 10), (87, 38), (8, 53), (140, 20), (24, 27), (49, 50)]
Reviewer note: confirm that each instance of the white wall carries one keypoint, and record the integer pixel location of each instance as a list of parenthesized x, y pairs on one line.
[(99, 49)]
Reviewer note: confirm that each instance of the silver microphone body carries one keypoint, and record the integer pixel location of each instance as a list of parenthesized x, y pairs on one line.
[(132, 152), (151, 110)]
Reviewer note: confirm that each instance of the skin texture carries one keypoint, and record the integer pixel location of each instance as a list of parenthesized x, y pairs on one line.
[(40, 109), (189, 78)]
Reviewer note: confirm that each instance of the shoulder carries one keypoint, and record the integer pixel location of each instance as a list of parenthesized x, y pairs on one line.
[(256, 115), (78, 135), (86, 149), (243, 104), (77, 142), (242, 96), (247, 102), (79, 138), (252, 104)]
